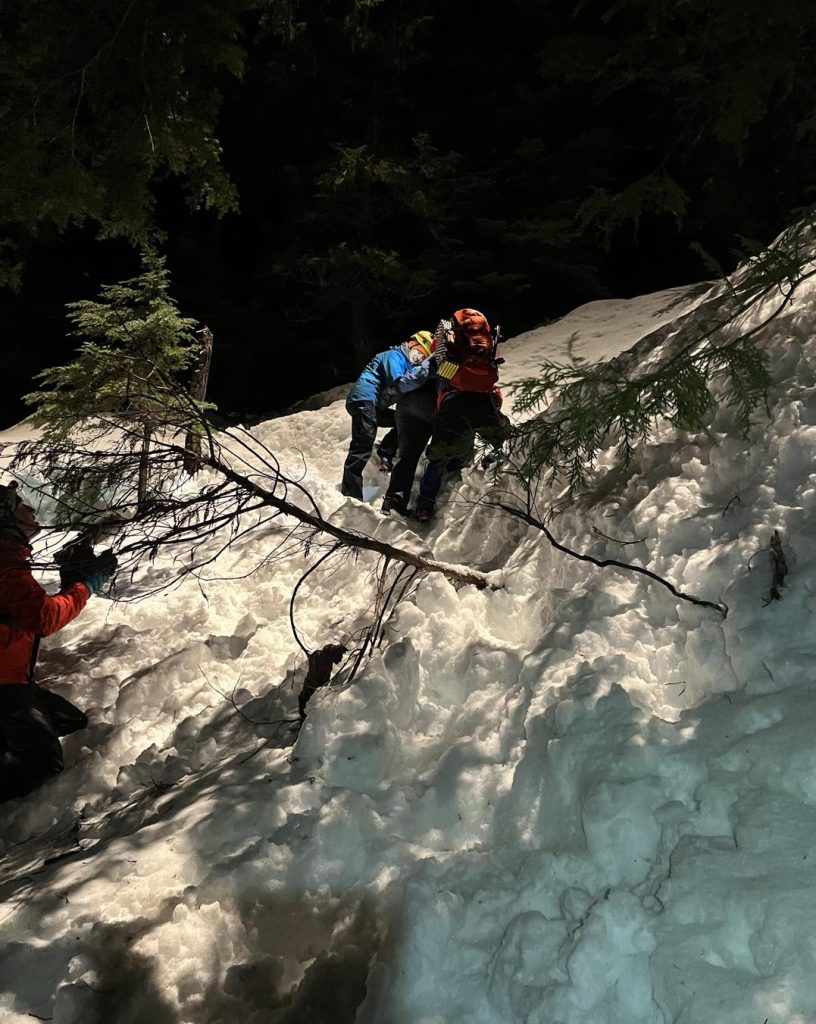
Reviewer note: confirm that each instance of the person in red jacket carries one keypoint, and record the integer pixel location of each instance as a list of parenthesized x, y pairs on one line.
[(469, 401), (32, 719)]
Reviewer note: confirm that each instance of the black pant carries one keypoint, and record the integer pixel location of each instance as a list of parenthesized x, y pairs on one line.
[(31, 720), (414, 433), (461, 416), (365, 418)]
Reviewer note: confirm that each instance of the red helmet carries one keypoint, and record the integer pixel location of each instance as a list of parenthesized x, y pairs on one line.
[(474, 324)]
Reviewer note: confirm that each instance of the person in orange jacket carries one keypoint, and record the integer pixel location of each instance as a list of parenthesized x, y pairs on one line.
[(469, 401), (31, 718)]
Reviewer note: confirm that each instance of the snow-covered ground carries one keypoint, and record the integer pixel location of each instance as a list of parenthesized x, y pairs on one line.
[(573, 800)]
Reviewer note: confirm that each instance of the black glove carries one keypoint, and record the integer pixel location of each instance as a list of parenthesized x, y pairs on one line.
[(79, 564), (75, 561)]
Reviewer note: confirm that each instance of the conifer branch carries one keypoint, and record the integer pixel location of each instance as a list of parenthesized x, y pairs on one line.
[(591, 406)]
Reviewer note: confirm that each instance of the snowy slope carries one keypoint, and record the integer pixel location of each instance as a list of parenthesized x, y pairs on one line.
[(570, 800)]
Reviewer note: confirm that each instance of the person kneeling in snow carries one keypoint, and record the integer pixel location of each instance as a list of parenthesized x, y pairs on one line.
[(31, 718), (389, 374)]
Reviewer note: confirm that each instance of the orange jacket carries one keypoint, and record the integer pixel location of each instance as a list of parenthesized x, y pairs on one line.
[(26, 611)]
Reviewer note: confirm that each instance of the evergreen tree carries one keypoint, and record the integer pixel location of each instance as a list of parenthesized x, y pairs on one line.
[(99, 102), (382, 228), (702, 115), (573, 149), (125, 379)]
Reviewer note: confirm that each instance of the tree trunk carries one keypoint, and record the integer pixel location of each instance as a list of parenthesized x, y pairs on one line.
[(198, 391), (144, 467)]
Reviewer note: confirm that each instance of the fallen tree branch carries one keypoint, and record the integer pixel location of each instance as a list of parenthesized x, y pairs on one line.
[(349, 538), (615, 540), (604, 563)]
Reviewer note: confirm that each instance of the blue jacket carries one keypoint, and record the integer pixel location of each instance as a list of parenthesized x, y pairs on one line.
[(388, 375)]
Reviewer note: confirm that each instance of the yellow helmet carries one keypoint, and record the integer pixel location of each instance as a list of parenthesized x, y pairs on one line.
[(422, 340)]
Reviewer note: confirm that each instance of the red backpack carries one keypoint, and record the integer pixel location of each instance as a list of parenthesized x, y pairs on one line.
[(470, 352)]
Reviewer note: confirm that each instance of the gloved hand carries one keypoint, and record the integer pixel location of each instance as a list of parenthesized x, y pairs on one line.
[(492, 457), (104, 566), (76, 561)]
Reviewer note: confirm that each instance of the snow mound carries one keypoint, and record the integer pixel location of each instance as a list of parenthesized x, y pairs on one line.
[(570, 799)]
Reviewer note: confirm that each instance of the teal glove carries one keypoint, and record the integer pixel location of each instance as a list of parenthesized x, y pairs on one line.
[(97, 582), (100, 571)]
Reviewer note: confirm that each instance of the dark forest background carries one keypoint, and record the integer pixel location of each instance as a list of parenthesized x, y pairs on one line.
[(327, 177)]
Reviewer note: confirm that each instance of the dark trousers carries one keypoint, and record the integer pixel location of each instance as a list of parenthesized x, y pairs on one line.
[(461, 417), (414, 433), (365, 418), (31, 722)]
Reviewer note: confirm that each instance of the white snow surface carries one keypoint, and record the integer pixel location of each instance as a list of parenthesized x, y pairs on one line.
[(571, 800)]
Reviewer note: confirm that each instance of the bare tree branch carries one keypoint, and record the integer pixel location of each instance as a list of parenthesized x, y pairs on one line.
[(603, 563)]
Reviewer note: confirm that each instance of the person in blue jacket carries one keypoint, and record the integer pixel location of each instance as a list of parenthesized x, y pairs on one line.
[(395, 372)]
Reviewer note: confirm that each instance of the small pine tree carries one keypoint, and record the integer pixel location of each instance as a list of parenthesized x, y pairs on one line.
[(125, 374)]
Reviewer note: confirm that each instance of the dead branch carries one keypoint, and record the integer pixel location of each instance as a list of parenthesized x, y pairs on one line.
[(350, 538), (610, 562), (93, 476), (198, 391), (779, 568), (614, 540), (295, 590), (230, 699)]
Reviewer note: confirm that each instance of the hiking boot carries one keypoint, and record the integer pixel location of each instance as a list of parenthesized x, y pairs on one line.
[(386, 462), (423, 515), (389, 505)]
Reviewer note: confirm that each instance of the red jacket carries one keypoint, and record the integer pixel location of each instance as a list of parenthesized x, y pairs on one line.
[(26, 611)]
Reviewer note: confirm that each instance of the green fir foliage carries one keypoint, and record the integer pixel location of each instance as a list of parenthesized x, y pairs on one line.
[(124, 386), (136, 345), (694, 365), (102, 100), (365, 202), (658, 194)]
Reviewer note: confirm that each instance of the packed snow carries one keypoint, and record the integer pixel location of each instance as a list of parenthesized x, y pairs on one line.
[(573, 799)]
